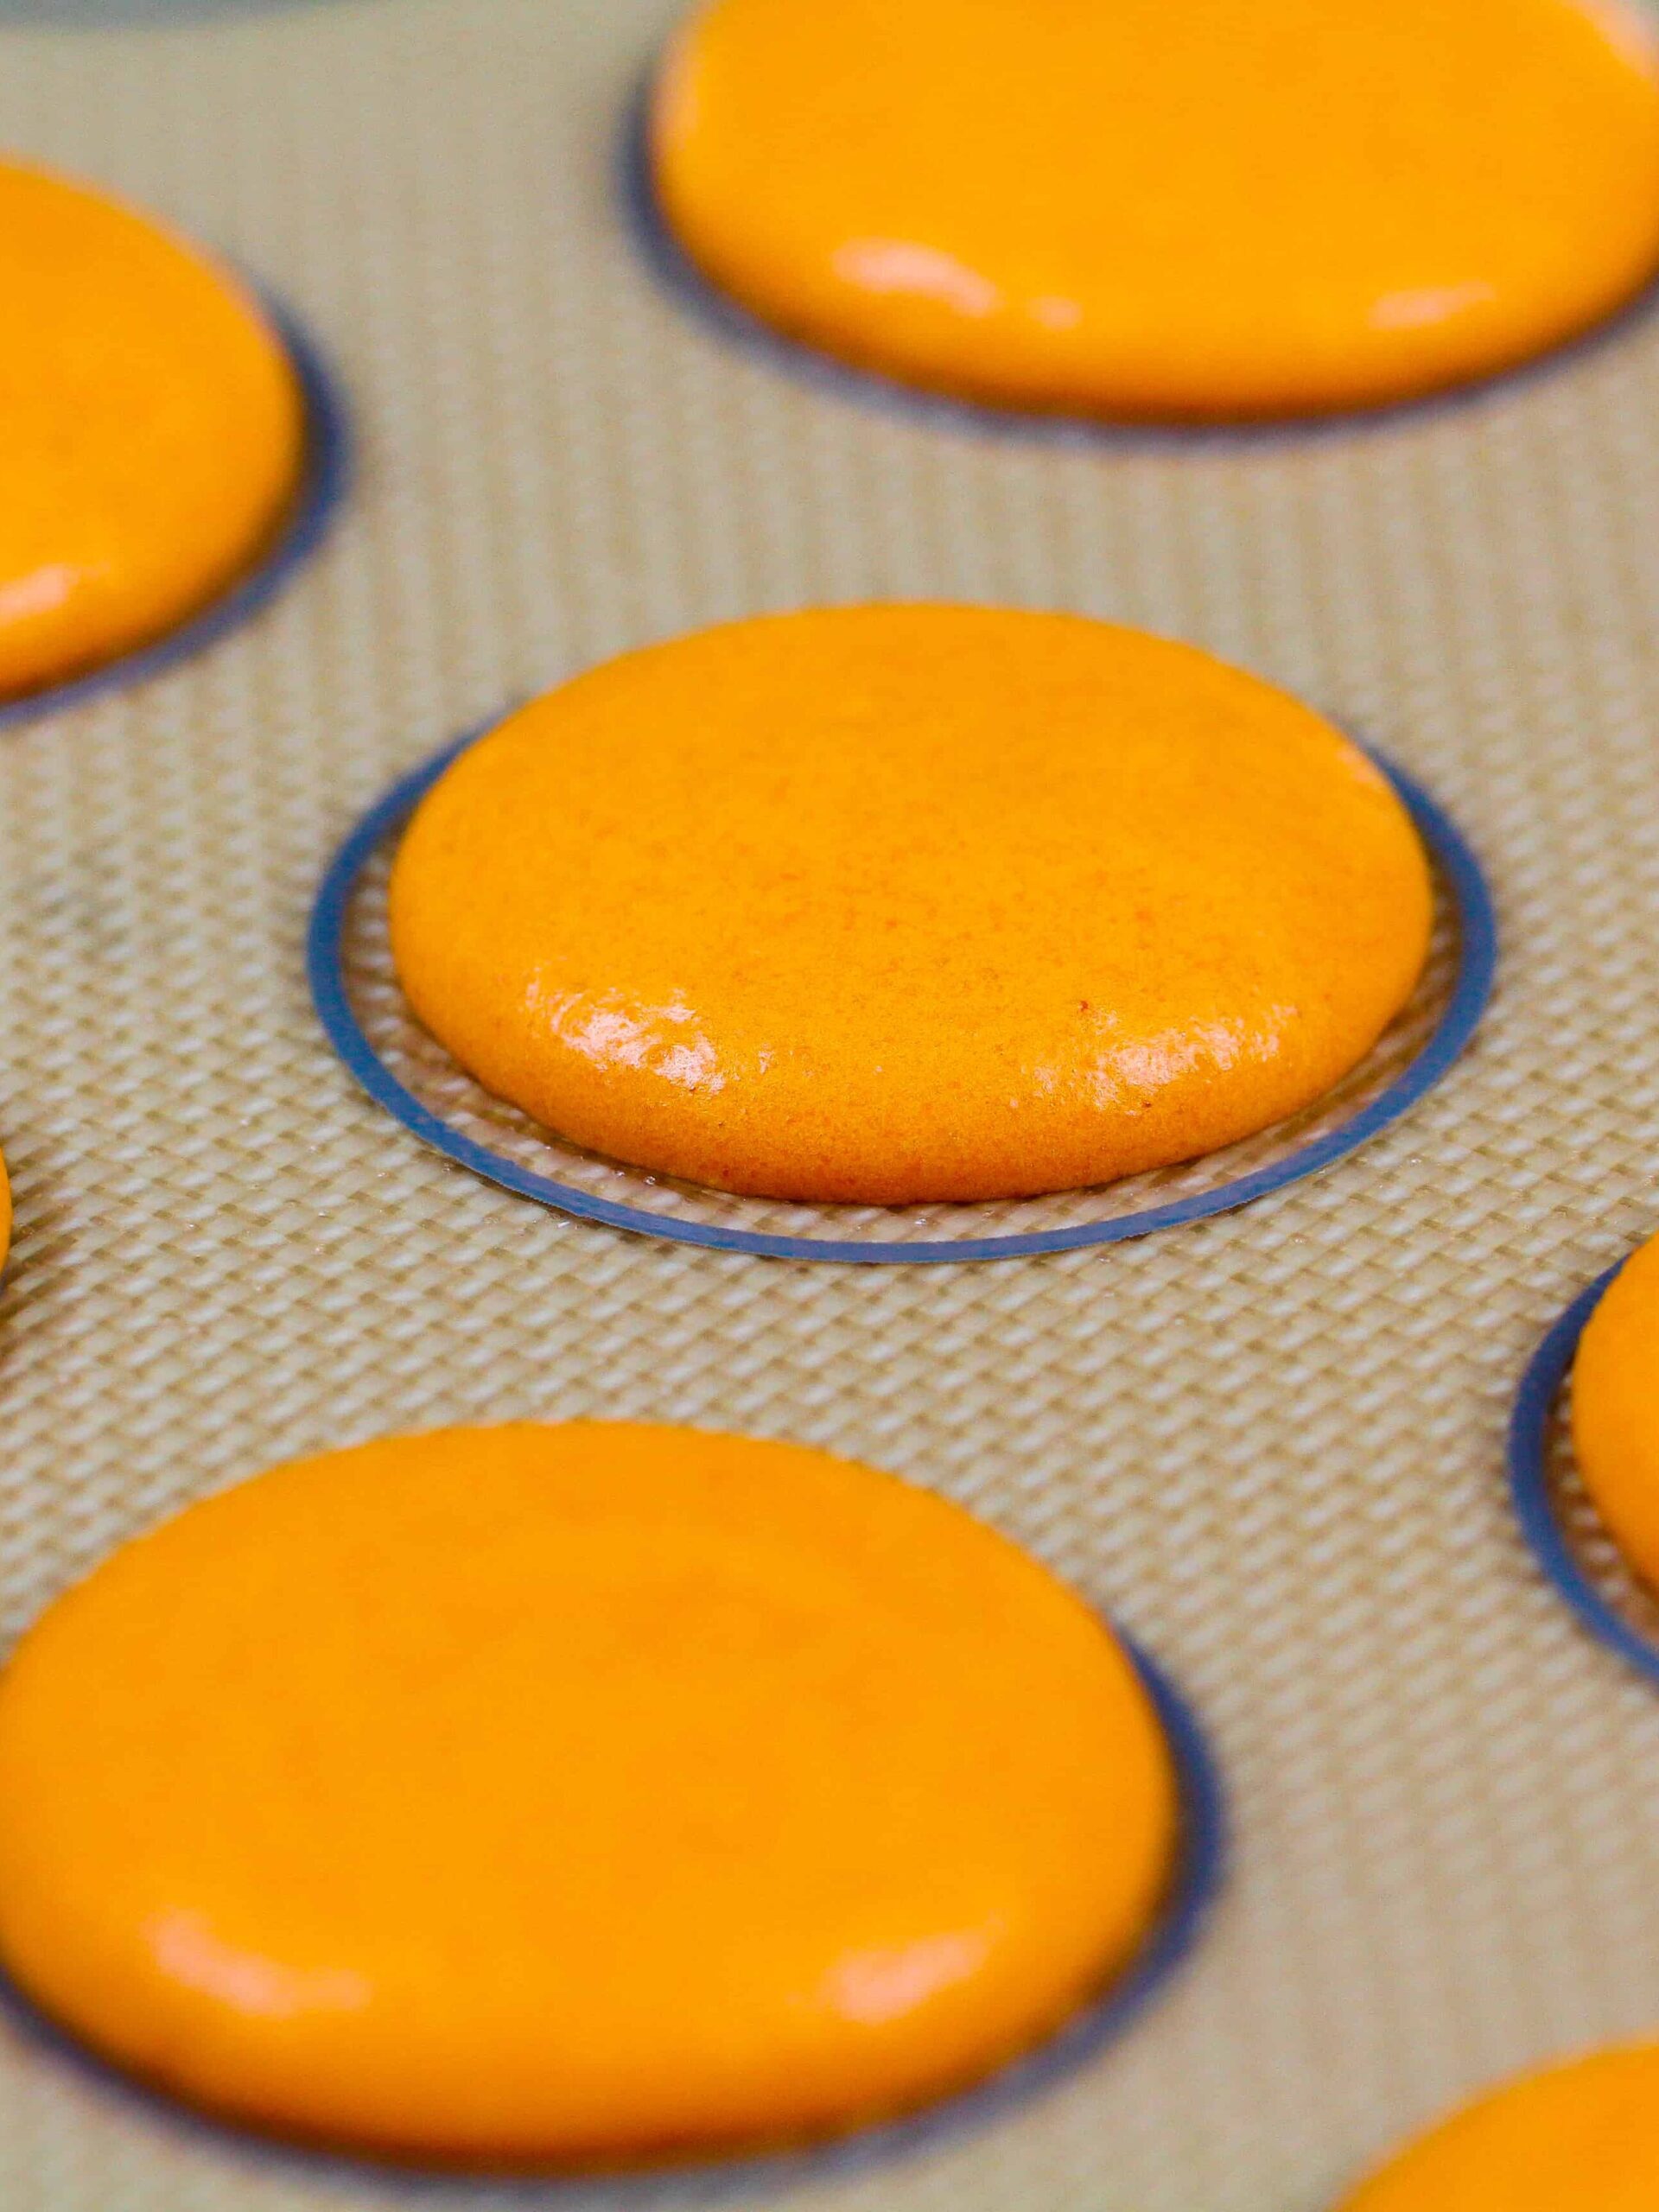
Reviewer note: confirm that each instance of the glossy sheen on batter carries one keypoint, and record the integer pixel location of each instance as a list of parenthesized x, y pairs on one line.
[(1219, 208), (153, 430), (1580, 2138), (1616, 1409), (554, 1793), (902, 903)]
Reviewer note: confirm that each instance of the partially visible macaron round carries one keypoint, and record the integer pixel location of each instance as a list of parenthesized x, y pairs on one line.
[(1582, 2137), (1614, 1410), (895, 904), (546, 1796), (1136, 208), (154, 428)]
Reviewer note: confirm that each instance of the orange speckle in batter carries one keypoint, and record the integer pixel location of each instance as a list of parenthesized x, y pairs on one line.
[(1616, 1409), (153, 430), (1135, 207), (1582, 2137), (891, 903), (531, 1795)]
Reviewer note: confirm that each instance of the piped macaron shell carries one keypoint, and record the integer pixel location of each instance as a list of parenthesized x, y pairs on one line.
[(555, 1795), (1131, 208), (1615, 1410), (154, 430), (896, 904), (1582, 2137)]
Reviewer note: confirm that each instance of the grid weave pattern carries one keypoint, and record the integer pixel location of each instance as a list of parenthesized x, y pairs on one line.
[(1271, 1444)]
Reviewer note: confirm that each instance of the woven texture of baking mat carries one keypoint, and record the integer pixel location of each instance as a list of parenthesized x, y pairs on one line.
[(1272, 1445)]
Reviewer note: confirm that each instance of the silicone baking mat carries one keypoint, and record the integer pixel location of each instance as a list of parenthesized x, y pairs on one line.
[(1270, 1443)]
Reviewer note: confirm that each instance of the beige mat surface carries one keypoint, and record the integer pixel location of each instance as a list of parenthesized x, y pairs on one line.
[(1270, 1445)]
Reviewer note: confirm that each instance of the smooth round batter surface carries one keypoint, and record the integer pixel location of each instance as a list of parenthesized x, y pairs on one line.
[(554, 1793), (1616, 1409), (154, 430), (1580, 2138), (1218, 208), (892, 904)]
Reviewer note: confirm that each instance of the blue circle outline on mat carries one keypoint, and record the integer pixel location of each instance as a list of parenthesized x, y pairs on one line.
[(1530, 1434), (325, 475), (325, 965)]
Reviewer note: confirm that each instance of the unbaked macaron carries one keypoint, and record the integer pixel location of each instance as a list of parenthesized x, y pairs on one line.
[(895, 904), (1136, 208), (154, 425), (1582, 2137), (546, 1796), (1616, 1410)]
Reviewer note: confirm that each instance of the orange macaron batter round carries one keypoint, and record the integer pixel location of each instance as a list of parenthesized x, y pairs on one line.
[(546, 1794), (154, 430), (1615, 1410), (1219, 208), (904, 902), (1582, 2137)]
